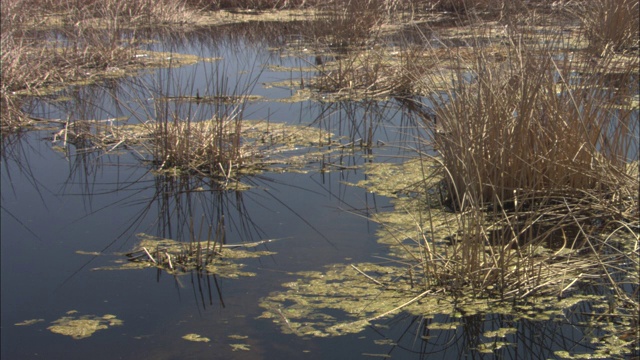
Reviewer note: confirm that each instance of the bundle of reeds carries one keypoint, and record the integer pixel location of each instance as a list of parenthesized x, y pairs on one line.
[(536, 155), (92, 35), (611, 25)]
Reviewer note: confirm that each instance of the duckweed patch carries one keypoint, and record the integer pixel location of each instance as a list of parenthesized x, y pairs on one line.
[(262, 146), (83, 326), (29, 322), (500, 333), (180, 258), (215, 99), (240, 347), (422, 236), (342, 300), (196, 338), (347, 298)]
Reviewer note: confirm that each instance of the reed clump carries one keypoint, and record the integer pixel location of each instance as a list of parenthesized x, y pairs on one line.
[(610, 25), (256, 4), (538, 160), (90, 37), (374, 73), (463, 6), (210, 148)]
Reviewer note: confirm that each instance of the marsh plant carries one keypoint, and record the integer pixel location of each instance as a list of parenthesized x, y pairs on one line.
[(206, 147), (374, 73), (539, 162), (201, 134), (89, 38), (611, 25)]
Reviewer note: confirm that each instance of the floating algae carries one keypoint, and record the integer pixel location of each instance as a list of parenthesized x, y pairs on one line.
[(346, 298), (263, 145), (29, 322), (83, 326), (502, 332), (214, 99), (196, 338), (240, 347), (180, 258)]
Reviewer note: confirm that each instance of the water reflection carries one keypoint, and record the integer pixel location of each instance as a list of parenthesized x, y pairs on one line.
[(530, 334)]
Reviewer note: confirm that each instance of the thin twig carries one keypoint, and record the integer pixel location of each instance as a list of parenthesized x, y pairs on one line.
[(149, 255), (367, 276)]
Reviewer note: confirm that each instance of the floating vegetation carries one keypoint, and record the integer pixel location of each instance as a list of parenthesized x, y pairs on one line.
[(83, 326), (349, 298), (178, 258), (215, 99), (502, 332), (140, 60), (420, 280), (309, 305), (219, 148), (382, 356), (196, 338), (151, 59), (29, 322), (240, 347)]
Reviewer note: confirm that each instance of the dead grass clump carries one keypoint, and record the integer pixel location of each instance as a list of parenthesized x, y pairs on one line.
[(534, 126), (92, 36), (374, 73), (611, 25), (462, 6), (535, 157), (207, 147), (257, 4), (344, 24)]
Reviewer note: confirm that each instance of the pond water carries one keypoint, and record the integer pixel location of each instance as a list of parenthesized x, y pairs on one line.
[(68, 212), (55, 205)]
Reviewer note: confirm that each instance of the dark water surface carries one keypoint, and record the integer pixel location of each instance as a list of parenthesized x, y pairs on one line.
[(55, 204), (49, 213)]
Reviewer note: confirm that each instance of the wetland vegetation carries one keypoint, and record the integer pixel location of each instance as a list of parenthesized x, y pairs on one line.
[(490, 147)]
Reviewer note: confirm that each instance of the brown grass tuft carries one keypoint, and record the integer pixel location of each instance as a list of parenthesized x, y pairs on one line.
[(536, 153), (611, 25)]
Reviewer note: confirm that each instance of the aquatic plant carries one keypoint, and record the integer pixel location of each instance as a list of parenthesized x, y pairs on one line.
[(90, 37), (610, 25), (372, 73), (538, 158)]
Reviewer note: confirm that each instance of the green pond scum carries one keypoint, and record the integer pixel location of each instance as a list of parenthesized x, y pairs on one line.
[(264, 146), (182, 257), (240, 347), (29, 322), (347, 298), (80, 327), (196, 338)]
